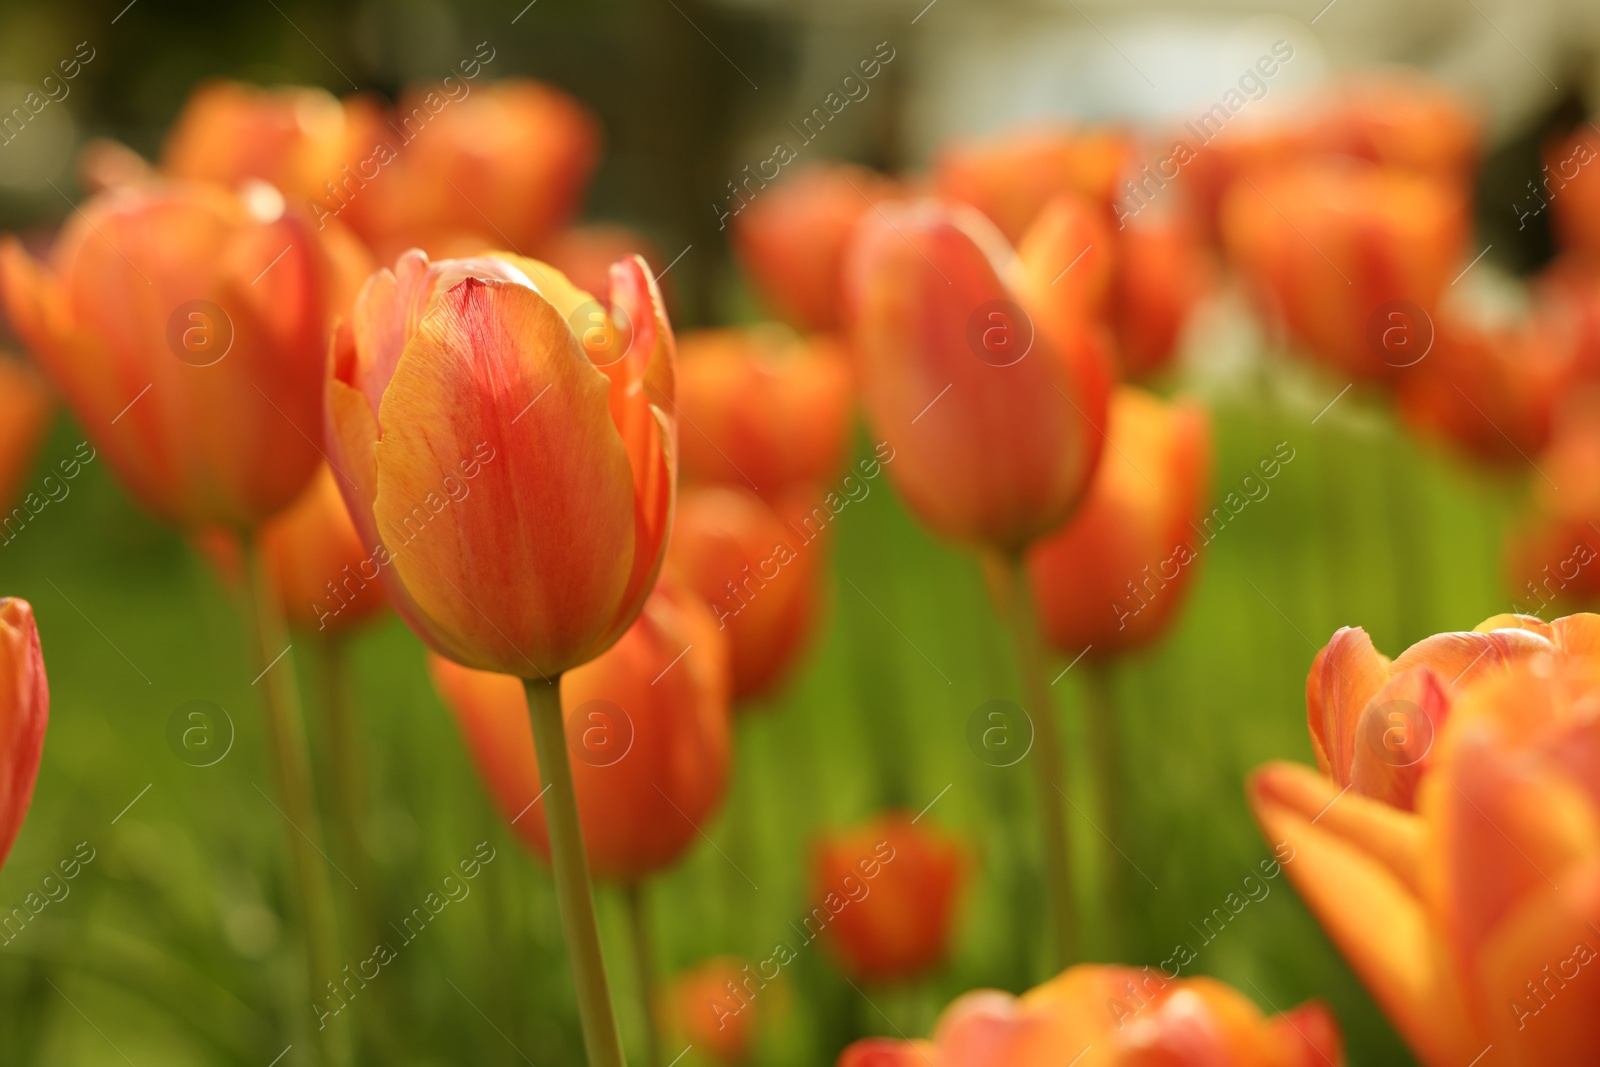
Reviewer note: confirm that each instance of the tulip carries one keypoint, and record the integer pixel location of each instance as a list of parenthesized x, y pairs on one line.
[(900, 925), (505, 163), (710, 1007), (765, 409), (292, 137), (792, 239), (1110, 1016), (216, 306), (25, 408), (1571, 185), (1256, 143), (1552, 553), (585, 254), (1399, 118), (1471, 919), (760, 576), (1010, 178), (24, 713), (1162, 271), (1070, 231), (1351, 259)]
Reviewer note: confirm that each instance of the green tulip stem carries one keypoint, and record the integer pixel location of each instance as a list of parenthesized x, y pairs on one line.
[(1105, 757), (644, 967)]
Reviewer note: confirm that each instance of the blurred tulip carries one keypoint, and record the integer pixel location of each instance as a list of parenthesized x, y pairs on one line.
[(759, 575), (1072, 232), (1108, 1016), (1010, 178), (293, 137), (709, 1008), (1472, 920), (792, 239), (1133, 528), (107, 164), (25, 410), (989, 392), (505, 162), (1401, 118), (897, 885), (1350, 259), (321, 568), (647, 725), (1551, 555), (1570, 184), (1566, 297), (1256, 143), (765, 408), (511, 537), (585, 254), (1161, 272), (217, 306), (24, 713)]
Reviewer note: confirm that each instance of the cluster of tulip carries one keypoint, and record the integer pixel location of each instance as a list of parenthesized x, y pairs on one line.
[(293, 340)]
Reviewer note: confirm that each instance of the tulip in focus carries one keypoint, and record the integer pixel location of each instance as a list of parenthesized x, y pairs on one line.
[(766, 409), (1112, 577), (895, 886), (1472, 919), (711, 1009), (187, 328), (1109, 1016), (647, 726), (792, 238), (1010, 178), (25, 408), (24, 713)]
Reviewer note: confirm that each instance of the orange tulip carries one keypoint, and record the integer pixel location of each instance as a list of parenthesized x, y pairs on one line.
[(1399, 118), (1132, 533), (187, 328), (1010, 178), (25, 408), (765, 408), (647, 725), (1570, 184), (506, 163), (1352, 259), (24, 713), (325, 577), (706, 1007), (514, 480), (759, 575), (792, 238), (294, 137), (896, 885), (1162, 271), (1107, 1016), (1553, 557), (1257, 143), (585, 254), (989, 387), (1472, 919), (1071, 231)]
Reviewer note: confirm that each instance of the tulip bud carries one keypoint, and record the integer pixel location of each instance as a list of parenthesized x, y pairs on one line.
[(25, 409), (890, 888), (24, 713), (759, 575), (647, 729), (765, 409), (187, 328), (514, 478), (792, 238), (1135, 531), (1162, 271), (990, 393), (716, 1008)]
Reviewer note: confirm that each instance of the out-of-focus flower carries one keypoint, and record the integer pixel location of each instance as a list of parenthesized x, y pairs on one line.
[(647, 727), (187, 328), (514, 478), (1253, 144), (107, 164), (1350, 259), (792, 238), (890, 889), (1072, 232), (1108, 1016), (1160, 273), (759, 575), (506, 163), (1401, 118), (990, 392), (713, 1007), (1570, 183), (766, 409), (1010, 178), (585, 254), (293, 137), (1567, 299), (25, 408), (1132, 538), (1552, 556), (1471, 920), (24, 713)]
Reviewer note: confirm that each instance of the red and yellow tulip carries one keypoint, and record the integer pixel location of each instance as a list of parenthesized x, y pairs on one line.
[(1010, 178), (24, 713)]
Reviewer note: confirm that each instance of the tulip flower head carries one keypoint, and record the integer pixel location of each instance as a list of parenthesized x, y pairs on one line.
[(1162, 271), (503, 443), (1553, 556), (24, 713), (25, 407), (1108, 1016), (647, 728), (1012, 177), (710, 1008)]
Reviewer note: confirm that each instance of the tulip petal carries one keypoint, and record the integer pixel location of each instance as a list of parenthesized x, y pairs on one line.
[(1345, 674), (1395, 734), (24, 714)]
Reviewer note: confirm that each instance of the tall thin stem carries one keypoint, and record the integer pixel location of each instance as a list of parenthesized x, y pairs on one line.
[(574, 896), (644, 967), (291, 767), (1105, 758), (1010, 582)]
